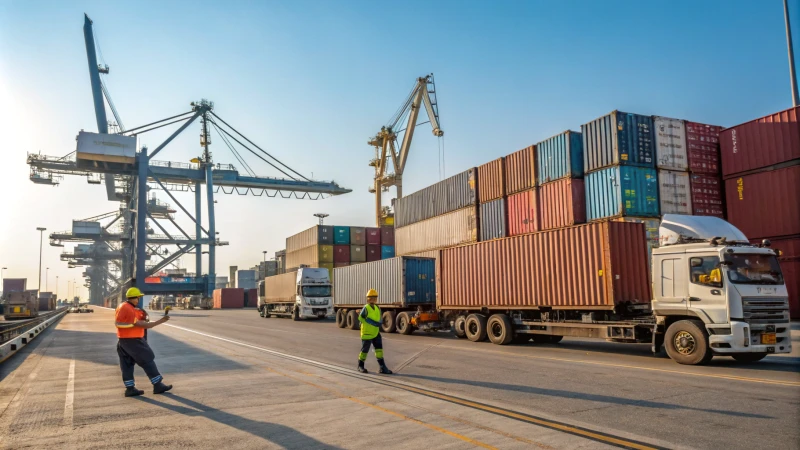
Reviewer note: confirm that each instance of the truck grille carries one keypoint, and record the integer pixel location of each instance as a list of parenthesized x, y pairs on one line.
[(765, 310)]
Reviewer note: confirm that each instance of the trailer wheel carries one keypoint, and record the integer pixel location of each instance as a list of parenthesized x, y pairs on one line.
[(341, 319), (555, 339), (476, 327), (499, 329), (404, 324), (389, 322), (521, 338), (352, 320), (459, 327), (540, 338), (296, 313), (749, 357), (687, 343), (262, 311), (266, 312)]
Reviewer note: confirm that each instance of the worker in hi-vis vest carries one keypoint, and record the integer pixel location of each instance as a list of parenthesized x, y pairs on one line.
[(370, 318), (132, 347)]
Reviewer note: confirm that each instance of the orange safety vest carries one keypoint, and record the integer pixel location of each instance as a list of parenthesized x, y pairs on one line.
[(125, 318)]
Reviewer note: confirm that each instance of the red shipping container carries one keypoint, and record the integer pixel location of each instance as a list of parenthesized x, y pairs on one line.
[(228, 298), (387, 236), (373, 253), (586, 267), (562, 203), (491, 181), (341, 253), (760, 143), (520, 170), (707, 195), (373, 236), (765, 204), (702, 147), (523, 212)]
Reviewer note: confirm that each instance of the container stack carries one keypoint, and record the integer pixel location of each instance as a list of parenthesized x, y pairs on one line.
[(761, 169), (705, 176), (329, 246), (674, 192), (562, 194), (523, 198), (228, 298), (246, 279), (492, 200), (280, 257), (312, 247)]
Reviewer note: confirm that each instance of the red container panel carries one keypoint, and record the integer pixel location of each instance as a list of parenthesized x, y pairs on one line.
[(765, 204), (520, 170), (228, 298), (707, 195), (760, 143), (341, 253), (373, 236), (341, 264), (491, 181), (562, 203), (593, 267), (387, 236), (373, 253), (702, 147), (523, 212)]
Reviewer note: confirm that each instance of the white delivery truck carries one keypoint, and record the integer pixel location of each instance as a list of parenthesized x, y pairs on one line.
[(305, 294)]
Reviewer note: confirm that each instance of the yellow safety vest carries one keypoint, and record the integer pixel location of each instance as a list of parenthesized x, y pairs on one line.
[(369, 331)]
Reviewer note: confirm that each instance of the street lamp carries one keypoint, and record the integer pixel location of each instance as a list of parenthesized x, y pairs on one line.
[(47, 280), (1, 273), (321, 216), (56, 286), (41, 231), (265, 255)]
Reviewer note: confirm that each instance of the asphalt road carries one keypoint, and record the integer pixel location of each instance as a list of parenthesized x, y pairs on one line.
[(606, 386)]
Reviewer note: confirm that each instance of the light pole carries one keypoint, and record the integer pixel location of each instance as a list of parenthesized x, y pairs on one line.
[(321, 216), (47, 280), (792, 75), (1, 274), (265, 255), (56, 286), (41, 237)]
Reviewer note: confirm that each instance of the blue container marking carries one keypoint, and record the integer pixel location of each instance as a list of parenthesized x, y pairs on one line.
[(559, 157), (419, 280), (618, 139), (621, 191), (341, 235), (387, 251)]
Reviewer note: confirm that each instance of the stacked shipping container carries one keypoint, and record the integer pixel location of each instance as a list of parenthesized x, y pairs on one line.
[(705, 178), (338, 246), (562, 194), (523, 198)]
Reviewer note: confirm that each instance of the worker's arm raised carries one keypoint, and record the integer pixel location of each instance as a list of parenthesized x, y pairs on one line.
[(143, 324)]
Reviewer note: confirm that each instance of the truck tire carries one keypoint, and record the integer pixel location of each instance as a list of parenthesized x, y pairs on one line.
[(389, 322), (749, 357), (687, 343), (521, 338), (554, 339), (476, 327), (266, 313), (262, 310), (341, 319), (540, 339), (404, 324), (499, 329), (296, 313), (459, 327), (352, 320)]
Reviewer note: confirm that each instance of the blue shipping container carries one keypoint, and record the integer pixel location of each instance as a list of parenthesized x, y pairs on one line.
[(341, 235), (493, 220), (621, 191), (560, 156), (618, 138), (420, 280), (387, 251)]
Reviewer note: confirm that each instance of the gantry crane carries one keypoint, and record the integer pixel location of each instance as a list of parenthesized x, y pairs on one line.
[(385, 143)]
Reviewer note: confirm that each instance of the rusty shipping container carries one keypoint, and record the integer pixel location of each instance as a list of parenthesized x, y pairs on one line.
[(451, 194), (491, 180), (523, 212), (595, 266), (674, 192), (311, 256), (373, 236), (457, 227), (763, 142), (765, 204), (562, 203), (702, 147), (493, 220), (228, 298), (707, 195), (520, 170), (316, 235)]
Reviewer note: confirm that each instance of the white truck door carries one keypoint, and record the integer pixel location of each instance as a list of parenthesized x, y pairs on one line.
[(669, 286), (706, 293)]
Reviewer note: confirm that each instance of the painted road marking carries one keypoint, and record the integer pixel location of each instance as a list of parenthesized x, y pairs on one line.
[(70, 395)]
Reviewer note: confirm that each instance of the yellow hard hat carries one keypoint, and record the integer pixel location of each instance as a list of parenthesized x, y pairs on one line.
[(134, 293), (372, 293)]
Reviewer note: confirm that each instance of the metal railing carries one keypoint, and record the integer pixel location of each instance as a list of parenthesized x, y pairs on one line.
[(10, 330)]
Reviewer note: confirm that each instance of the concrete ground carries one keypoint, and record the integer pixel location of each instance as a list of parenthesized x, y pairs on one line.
[(248, 382)]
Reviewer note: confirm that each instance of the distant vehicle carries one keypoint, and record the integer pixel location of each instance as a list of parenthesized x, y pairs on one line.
[(86, 309), (74, 309), (21, 305), (305, 294)]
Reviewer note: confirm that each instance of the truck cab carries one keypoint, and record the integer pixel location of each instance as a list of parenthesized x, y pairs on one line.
[(714, 293), (305, 294)]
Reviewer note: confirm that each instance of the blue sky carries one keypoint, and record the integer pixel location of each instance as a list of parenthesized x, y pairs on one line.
[(310, 81)]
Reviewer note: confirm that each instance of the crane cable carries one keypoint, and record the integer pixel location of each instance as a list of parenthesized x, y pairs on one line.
[(233, 150), (257, 155)]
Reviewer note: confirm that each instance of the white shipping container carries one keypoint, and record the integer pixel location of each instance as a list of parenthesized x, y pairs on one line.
[(106, 147), (674, 192), (670, 144)]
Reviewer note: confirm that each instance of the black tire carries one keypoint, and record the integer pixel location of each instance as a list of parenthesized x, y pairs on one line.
[(555, 339), (262, 311), (459, 327), (476, 327), (296, 313), (521, 338), (352, 320), (266, 315), (404, 323), (749, 357), (686, 342), (341, 318), (389, 322), (540, 339), (499, 329)]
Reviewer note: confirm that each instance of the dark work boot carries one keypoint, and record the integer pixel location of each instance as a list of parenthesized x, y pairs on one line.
[(160, 388), (131, 391), (361, 367), (384, 370)]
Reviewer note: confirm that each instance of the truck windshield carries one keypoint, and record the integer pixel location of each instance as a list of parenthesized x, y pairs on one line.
[(316, 291), (754, 269)]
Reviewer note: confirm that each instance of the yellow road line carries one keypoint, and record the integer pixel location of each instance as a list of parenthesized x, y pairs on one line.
[(388, 411), (627, 366)]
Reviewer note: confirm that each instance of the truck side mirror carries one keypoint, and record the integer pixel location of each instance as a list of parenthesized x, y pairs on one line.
[(696, 262)]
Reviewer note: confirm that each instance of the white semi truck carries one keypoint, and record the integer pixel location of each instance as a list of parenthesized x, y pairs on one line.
[(305, 294)]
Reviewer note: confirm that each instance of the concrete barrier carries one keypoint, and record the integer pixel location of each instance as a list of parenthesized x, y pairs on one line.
[(24, 338)]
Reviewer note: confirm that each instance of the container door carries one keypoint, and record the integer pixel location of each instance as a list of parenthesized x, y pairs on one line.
[(706, 295), (420, 280)]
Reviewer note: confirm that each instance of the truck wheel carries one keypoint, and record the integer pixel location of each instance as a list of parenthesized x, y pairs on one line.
[(262, 311), (459, 327), (352, 320), (389, 322), (266, 312), (296, 313), (521, 338), (749, 357), (404, 323), (687, 343), (476, 327), (341, 320), (540, 338), (555, 339), (499, 329)]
